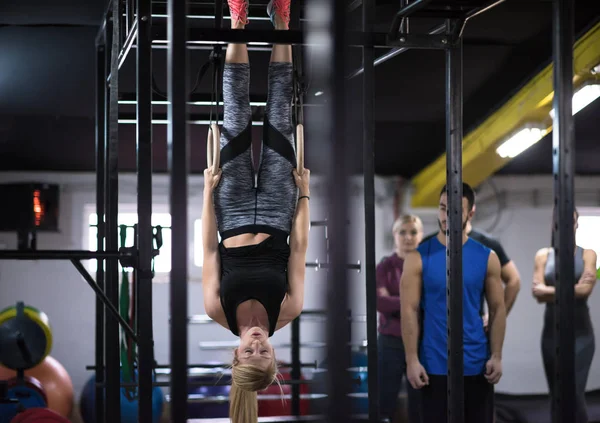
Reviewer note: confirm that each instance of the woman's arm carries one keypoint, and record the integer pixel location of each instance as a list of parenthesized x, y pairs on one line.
[(586, 283), (294, 302), (211, 264), (386, 303), (210, 240), (540, 290)]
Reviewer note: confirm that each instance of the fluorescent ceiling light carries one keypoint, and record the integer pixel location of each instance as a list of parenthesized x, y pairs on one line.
[(520, 141), (583, 97)]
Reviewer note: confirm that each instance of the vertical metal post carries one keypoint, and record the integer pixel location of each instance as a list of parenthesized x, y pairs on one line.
[(128, 16), (101, 88), (326, 36), (563, 152), (295, 373), (144, 275), (298, 119), (113, 371), (178, 144), (218, 13), (369, 204), (454, 274)]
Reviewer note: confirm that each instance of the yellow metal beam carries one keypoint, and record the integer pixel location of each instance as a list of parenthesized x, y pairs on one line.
[(531, 104)]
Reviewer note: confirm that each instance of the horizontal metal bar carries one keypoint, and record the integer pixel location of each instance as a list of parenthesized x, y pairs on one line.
[(223, 345), (198, 99), (440, 29), (207, 368), (318, 265), (323, 222), (227, 35), (224, 399), (305, 316), (219, 345), (196, 383), (421, 41), (319, 319), (164, 121), (58, 255), (212, 36), (362, 418)]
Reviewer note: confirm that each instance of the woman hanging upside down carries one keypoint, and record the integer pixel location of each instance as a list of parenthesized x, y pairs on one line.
[(253, 280)]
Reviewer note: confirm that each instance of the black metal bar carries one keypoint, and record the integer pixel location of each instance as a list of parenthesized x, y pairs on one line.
[(107, 118), (218, 14), (101, 35), (224, 383), (328, 26), (296, 365), (368, 103), (58, 255), (422, 42), (129, 42), (162, 119), (101, 70), (440, 29), (280, 365), (564, 406), (325, 265), (104, 298), (129, 15), (298, 112), (476, 12), (355, 4), (404, 23), (178, 145), (113, 372), (406, 11), (212, 36), (454, 234), (143, 280)]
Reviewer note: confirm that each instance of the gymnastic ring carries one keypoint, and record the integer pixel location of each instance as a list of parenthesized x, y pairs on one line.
[(213, 151), (300, 148)]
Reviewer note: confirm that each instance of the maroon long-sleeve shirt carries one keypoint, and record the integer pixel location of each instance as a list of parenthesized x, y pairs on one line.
[(389, 272)]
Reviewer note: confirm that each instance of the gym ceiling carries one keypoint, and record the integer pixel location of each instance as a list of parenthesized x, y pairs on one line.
[(47, 92)]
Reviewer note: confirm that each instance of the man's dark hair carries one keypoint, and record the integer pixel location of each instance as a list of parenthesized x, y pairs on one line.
[(468, 193)]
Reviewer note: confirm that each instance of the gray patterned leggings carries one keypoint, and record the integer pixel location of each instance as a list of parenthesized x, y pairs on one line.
[(246, 202)]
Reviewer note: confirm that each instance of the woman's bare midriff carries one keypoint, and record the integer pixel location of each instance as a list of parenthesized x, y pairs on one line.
[(245, 239)]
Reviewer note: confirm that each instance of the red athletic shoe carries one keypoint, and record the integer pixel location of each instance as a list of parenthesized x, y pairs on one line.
[(238, 10), (281, 8)]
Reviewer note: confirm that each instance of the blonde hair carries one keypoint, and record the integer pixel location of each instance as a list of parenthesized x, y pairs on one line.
[(407, 218), (246, 380)]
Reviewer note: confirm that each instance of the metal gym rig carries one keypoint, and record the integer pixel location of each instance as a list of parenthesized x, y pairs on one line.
[(142, 23)]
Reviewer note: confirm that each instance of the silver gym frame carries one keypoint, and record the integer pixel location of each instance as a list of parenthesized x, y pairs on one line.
[(142, 24)]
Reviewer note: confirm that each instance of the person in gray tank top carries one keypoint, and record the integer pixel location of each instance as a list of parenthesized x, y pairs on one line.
[(544, 291)]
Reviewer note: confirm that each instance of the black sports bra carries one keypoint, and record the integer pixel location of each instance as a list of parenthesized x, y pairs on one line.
[(254, 272)]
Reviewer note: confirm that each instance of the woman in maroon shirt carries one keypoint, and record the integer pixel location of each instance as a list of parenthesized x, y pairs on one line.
[(408, 232)]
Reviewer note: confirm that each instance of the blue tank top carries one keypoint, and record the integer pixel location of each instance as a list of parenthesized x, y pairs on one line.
[(434, 339)]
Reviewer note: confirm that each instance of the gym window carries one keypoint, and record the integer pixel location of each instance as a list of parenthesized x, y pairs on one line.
[(587, 232), (162, 262)]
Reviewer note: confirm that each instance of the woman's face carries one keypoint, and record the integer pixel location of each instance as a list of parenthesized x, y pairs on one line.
[(255, 349), (408, 237)]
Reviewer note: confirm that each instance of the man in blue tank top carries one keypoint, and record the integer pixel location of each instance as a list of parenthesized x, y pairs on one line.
[(424, 321)]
